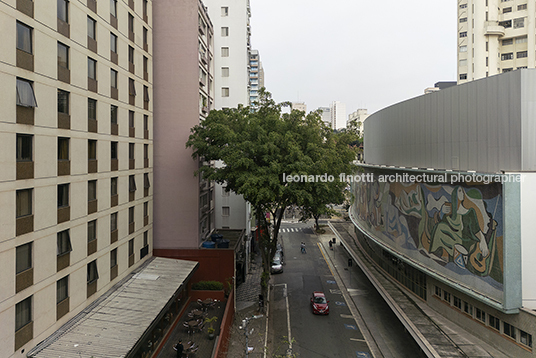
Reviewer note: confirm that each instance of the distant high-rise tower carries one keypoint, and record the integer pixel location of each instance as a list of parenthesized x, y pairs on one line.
[(338, 115), (256, 76), (494, 36)]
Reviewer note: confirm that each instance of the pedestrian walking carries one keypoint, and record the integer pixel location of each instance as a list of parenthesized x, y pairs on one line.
[(303, 251), (180, 349)]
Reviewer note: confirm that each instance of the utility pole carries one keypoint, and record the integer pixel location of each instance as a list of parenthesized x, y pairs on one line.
[(245, 322)]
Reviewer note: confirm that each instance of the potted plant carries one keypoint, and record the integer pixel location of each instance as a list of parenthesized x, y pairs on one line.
[(211, 329)]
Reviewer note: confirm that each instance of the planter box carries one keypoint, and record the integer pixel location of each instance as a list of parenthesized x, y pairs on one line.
[(204, 294)]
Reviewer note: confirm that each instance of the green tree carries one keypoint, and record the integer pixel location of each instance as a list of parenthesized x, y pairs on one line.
[(259, 146)]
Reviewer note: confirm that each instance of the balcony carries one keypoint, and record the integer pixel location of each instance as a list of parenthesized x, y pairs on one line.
[(492, 28)]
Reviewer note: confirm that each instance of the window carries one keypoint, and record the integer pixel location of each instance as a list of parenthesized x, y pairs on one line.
[(62, 289), (113, 186), (91, 190), (463, 6), (507, 70), (130, 247), (225, 71), (91, 28), (509, 330), (24, 147), (131, 183), (225, 91), (524, 337), (457, 303), (91, 68), (64, 242), (131, 54), (113, 78), (24, 202), (507, 42), (113, 42), (145, 94), (506, 24), (145, 239), (146, 182), (92, 273), (63, 10), (113, 222), (92, 109), (63, 55), (225, 210), (145, 64), (63, 102), (225, 52), (463, 48), (224, 11), (91, 230), (63, 195), (131, 215), (130, 23), (91, 149), (507, 10), (24, 257), (113, 258), (467, 308), (507, 56), (463, 34), (113, 114), (131, 152), (113, 150), (463, 19), (519, 23), (63, 148), (446, 296), (480, 315), (23, 313), (224, 31), (463, 63), (145, 36), (24, 37), (113, 8), (146, 151), (131, 87), (522, 7), (145, 122), (521, 39), (25, 94), (494, 322), (522, 54), (146, 209)]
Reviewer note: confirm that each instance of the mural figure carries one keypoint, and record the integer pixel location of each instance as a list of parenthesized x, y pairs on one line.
[(448, 224)]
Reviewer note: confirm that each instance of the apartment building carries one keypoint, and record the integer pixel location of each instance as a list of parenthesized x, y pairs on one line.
[(494, 36), (231, 81), (76, 158), (184, 67), (338, 115), (256, 76), (300, 106), (359, 116)]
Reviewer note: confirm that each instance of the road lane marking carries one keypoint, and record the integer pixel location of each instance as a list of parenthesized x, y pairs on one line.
[(350, 326), (358, 340), (346, 315)]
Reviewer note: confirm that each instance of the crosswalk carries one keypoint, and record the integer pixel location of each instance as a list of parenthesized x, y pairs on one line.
[(293, 229)]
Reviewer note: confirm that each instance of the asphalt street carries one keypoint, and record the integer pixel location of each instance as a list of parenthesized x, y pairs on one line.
[(337, 334)]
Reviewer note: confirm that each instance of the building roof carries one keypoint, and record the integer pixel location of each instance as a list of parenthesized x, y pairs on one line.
[(111, 326)]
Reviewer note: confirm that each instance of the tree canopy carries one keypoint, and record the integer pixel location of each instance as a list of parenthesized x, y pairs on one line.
[(261, 147)]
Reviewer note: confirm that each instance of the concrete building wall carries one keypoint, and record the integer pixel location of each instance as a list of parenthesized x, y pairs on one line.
[(338, 115), (47, 218), (179, 43), (474, 126)]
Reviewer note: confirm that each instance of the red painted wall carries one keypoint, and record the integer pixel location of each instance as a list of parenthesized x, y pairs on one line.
[(225, 328)]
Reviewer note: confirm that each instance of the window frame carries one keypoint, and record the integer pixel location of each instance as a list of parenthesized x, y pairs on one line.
[(113, 42), (24, 147), (92, 28), (113, 186), (113, 8), (63, 148), (21, 41), (92, 68), (92, 190), (19, 212), (92, 149), (113, 221), (63, 243), (25, 93), (113, 78), (64, 18), (63, 101), (23, 257), (132, 183), (91, 230), (23, 313), (63, 195), (64, 48), (92, 272), (62, 289)]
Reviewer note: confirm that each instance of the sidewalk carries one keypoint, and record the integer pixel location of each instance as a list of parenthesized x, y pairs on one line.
[(247, 295)]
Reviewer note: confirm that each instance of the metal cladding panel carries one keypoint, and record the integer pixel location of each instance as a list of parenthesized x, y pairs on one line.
[(474, 126)]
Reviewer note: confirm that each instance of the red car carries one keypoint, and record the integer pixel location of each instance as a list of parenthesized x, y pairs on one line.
[(319, 303)]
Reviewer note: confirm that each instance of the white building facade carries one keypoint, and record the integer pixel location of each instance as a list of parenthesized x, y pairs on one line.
[(256, 76), (76, 157), (359, 116), (338, 115), (495, 36)]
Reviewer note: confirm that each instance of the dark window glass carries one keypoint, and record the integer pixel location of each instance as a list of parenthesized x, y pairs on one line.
[(146, 182), (91, 28), (63, 102), (145, 122), (113, 42), (145, 35), (146, 151), (91, 68), (130, 247), (146, 93), (113, 222), (62, 289), (24, 37), (131, 54), (131, 183), (145, 64), (24, 148), (113, 186), (131, 87), (92, 190), (130, 23), (24, 202), (25, 94), (113, 114), (63, 148), (113, 78), (92, 149), (24, 257), (146, 209), (63, 55), (113, 7), (63, 13), (113, 258), (92, 273), (113, 150), (131, 119), (91, 109), (64, 242), (131, 152), (92, 230), (131, 214), (23, 313), (63, 195)]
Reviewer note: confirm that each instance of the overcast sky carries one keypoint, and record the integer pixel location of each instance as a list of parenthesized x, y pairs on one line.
[(365, 53)]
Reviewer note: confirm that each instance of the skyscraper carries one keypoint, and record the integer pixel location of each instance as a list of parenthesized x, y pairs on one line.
[(338, 115)]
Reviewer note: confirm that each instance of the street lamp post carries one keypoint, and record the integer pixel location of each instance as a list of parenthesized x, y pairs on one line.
[(245, 322)]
